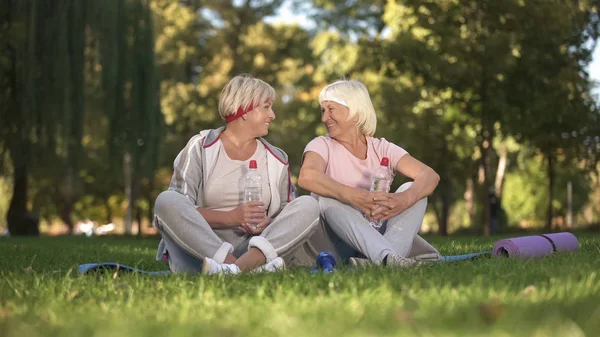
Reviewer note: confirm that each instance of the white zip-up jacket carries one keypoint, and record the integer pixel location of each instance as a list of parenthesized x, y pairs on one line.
[(195, 163)]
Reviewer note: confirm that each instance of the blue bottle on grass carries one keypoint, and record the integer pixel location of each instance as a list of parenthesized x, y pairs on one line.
[(326, 262)]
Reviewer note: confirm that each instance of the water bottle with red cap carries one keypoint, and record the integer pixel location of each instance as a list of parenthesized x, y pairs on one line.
[(380, 182), (253, 184)]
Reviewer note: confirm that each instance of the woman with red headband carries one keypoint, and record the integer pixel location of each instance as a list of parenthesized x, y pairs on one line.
[(202, 218)]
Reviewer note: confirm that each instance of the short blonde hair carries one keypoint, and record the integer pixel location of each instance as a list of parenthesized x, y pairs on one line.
[(356, 96), (241, 91)]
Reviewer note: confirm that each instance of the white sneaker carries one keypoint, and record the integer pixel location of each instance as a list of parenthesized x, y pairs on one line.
[(394, 260), (273, 266), (211, 267), (360, 262)]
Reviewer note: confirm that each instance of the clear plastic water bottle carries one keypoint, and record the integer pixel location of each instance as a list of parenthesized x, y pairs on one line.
[(380, 182), (252, 184)]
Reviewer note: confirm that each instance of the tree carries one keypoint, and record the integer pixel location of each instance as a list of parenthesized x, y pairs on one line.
[(553, 96), (355, 18), (476, 48), (232, 40), (45, 95), (43, 111), (130, 87), (526, 199)]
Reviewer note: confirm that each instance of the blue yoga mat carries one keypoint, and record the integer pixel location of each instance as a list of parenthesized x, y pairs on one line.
[(454, 258), (114, 266)]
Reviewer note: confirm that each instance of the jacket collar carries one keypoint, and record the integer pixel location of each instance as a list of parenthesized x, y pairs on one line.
[(214, 135)]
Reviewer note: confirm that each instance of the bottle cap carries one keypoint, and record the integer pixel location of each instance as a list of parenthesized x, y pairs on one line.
[(253, 164), (385, 162)]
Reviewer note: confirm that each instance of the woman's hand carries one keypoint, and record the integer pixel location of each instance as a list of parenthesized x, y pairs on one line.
[(251, 212), (363, 200), (255, 229), (388, 205)]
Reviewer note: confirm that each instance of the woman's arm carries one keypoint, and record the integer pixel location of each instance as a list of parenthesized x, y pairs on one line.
[(187, 169), (286, 194), (425, 178), (425, 182), (250, 212), (313, 178)]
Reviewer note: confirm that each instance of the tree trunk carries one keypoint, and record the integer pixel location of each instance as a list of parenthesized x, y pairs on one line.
[(470, 200), (138, 219), (135, 192), (74, 103), (20, 221), (150, 198), (109, 216), (570, 205), (128, 195), (502, 161), (484, 147), (443, 222), (436, 212), (550, 173), (440, 203), (67, 208)]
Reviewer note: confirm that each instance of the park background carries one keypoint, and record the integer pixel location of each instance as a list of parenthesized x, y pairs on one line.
[(498, 96), (98, 97)]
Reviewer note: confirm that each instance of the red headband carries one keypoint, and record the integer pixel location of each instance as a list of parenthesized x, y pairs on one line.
[(241, 111)]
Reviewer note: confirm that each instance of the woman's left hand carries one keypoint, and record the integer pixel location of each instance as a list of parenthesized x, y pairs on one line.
[(388, 205), (255, 229)]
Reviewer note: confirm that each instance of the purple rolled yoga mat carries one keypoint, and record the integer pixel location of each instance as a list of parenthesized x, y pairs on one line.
[(536, 245)]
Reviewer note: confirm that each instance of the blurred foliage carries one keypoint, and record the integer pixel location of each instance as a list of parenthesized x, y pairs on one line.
[(525, 197), (494, 95)]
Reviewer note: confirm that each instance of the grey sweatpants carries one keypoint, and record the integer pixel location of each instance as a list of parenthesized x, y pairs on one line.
[(346, 233), (188, 238)]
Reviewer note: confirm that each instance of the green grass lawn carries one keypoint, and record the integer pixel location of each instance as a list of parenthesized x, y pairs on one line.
[(41, 294)]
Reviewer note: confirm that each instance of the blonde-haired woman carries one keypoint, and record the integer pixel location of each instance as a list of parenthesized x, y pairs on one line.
[(337, 169), (202, 218)]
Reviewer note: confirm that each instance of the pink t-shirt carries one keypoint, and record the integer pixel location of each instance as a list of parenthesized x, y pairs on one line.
[(345, 168)]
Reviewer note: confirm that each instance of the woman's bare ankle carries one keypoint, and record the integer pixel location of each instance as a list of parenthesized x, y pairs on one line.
[(230, 259), (251, 260)]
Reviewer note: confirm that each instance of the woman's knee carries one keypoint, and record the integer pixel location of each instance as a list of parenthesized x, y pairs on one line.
[(421, 203), (327, 203), (308, 206), (166, 200), (404, 187)]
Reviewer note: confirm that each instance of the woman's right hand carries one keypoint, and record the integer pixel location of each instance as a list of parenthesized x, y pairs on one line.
[(362, 200), (250, 212)]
